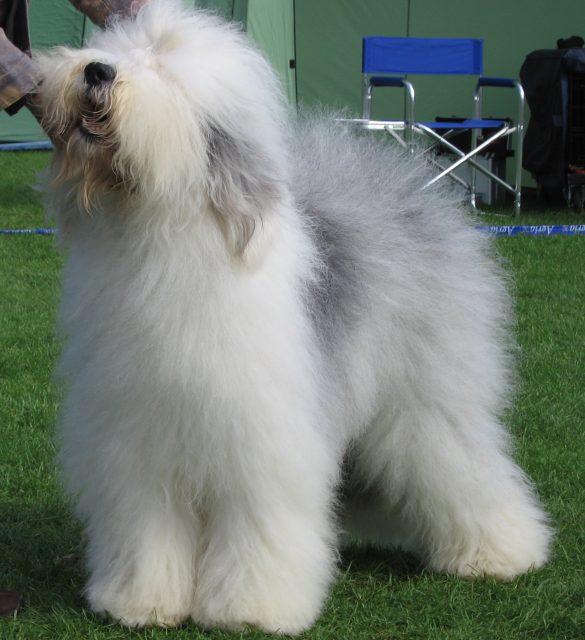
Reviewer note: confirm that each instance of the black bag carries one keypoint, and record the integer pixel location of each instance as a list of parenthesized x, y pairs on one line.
[(547, 77)]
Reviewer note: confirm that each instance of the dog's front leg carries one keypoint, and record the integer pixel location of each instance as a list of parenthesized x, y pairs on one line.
[(268, 545), (141, 551)]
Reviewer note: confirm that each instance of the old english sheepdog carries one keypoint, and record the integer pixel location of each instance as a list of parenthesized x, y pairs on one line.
[(271, 334)]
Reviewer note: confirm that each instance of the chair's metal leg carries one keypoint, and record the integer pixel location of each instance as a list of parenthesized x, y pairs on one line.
[(403, 143), (474, 136), (504, 131), (366, 97), (410, 115), (451, 175), (471, 187), (519, 149), (518, 193)]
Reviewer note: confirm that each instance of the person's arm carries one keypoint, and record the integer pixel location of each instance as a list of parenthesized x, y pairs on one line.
[(17, 75), (100, 11), (18, 79)]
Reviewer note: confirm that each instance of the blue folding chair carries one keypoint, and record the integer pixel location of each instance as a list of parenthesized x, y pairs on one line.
[(383, 57)]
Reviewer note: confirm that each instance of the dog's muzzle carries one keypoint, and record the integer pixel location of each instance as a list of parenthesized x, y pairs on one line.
[(97, 74), (95, 101)]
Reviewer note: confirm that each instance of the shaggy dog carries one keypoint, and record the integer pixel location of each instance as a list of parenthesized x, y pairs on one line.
[(270, 333)]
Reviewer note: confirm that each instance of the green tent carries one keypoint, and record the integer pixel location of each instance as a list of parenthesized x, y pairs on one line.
[(315, 45)]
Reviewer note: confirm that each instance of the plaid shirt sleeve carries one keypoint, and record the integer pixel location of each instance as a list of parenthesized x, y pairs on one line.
[(17, 71), (17, 75)]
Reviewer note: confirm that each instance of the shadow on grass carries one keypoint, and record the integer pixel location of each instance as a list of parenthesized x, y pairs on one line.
[(40, 556), (19, 196), (380, 563)]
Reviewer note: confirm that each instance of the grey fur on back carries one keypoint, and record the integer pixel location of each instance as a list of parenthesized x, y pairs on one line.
[(407, 263)]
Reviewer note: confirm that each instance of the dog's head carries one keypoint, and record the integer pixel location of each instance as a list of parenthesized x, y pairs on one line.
[(170, 111)]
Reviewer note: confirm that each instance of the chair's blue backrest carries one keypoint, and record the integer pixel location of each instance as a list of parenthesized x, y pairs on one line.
[(434, 56)]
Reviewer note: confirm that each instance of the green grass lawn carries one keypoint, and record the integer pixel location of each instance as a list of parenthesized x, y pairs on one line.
[(377, 596)]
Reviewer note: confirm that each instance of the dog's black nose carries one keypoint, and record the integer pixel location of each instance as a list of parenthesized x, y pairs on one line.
[(97, 73)]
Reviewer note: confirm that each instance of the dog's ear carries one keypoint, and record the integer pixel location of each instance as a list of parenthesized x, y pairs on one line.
[(243, 186)]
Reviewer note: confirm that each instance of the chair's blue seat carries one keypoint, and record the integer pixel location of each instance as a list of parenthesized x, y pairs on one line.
[(466, 124)]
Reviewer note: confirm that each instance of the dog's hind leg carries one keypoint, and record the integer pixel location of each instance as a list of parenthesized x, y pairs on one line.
[(452, 492)]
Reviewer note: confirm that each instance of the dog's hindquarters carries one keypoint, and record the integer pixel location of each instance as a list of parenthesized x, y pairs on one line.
[(442, 484), (423, 339)]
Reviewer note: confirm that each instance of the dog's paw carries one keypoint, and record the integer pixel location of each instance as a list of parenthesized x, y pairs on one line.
[(269, 604), (134, 613), (515, 547), (236, 618), (505, 561)]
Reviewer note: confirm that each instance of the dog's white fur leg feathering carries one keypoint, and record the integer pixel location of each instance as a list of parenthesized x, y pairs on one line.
[(267, 325)]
